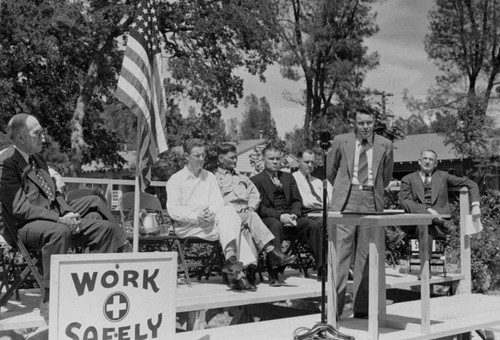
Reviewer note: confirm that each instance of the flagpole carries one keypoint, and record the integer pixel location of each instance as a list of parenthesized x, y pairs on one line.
[(137, 187)]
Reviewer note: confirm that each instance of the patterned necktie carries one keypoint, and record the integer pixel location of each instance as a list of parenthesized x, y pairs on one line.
[(39, 175), (427, 180), (363, 164), (313, 192), (276, 181)]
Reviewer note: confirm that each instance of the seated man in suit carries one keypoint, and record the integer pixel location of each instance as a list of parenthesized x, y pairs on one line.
[(426, 192), (240, 192), (310, 187), (32, 205), (281, 206), (195, 203)]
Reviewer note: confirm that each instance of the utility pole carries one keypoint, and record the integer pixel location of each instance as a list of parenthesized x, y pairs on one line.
[(383, 95)]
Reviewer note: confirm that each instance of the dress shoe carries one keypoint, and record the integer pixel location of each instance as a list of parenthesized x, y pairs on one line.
[(446, 224), (242, 284), (360, 315), (232, 265), (251, 272), (273, 278), (276, 258), (394, 237)]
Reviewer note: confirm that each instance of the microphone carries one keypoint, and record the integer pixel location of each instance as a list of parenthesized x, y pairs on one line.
[(325, 140)]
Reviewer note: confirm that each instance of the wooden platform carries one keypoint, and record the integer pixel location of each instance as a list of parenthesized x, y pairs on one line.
[(449, 315), (211, 294)]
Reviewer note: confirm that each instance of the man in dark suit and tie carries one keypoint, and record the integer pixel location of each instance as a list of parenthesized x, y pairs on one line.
[(32, 206), (426, 192), (281, 206), (359, 165)]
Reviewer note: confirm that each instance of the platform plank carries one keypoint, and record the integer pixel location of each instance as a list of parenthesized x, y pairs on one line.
[(449, 316)]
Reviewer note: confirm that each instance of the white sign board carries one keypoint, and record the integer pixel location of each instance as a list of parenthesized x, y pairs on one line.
[(125, 296)]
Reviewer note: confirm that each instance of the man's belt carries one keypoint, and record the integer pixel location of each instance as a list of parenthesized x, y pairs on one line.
[(363, 187)]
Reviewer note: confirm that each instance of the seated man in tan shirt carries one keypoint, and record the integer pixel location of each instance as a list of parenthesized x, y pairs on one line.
[(240, 192)]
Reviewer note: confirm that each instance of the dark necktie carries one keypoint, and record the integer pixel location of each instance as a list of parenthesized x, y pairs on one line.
[(39, 175), (313, 192), (363, 164)]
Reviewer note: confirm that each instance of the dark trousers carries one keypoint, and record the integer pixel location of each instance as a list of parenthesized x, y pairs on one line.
[(355, 240), (98, 234), (308, 231)]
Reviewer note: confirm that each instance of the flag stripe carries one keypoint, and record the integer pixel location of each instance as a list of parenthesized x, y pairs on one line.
[(141, 87)]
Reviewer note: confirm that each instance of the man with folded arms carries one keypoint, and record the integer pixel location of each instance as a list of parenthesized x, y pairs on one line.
[(195, 203), (426, 192), (240, 192)]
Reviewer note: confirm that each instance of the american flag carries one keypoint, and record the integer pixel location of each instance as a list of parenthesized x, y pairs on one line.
[(140, 86)]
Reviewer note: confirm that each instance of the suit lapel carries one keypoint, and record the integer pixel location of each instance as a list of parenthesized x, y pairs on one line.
[(378, 152), (285, 183), (268, 185), (418, 186), (349, 151), (435, 185)]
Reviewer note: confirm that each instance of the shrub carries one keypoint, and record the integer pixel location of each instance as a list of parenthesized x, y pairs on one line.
[(485, 246)]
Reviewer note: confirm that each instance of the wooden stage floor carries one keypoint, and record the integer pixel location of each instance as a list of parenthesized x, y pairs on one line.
[(212, 294), (450, 315)]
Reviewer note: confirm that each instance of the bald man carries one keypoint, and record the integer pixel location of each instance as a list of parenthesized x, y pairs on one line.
[(32, 205)]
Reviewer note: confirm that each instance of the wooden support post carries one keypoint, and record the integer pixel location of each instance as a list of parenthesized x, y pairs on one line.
[(465, 285), (425, 295), (331, 311)]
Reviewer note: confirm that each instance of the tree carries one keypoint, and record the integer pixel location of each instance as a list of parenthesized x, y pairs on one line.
[(257, 119), (323, 41), (464, 43), (412, 125), (234, 129), (46, 50), (60, 61)]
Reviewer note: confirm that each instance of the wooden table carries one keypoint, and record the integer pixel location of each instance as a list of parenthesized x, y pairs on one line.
[(377, 295)]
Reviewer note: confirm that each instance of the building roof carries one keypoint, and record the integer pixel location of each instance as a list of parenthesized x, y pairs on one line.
[(409, 149)]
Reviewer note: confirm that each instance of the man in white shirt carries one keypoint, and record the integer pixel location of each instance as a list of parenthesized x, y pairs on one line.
[(310, 187), (195, 203), (240, 192)]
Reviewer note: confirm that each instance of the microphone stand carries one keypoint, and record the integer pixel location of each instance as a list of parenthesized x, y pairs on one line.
[(323, 329)]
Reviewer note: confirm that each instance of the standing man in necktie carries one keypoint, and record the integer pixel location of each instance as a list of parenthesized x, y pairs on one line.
[(281, 207), (359, 165), (426, 192), (32, 205), (310, 187)]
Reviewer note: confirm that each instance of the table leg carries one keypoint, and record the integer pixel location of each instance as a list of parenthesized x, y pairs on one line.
[(331, 310), (377, 296), (425, 294)]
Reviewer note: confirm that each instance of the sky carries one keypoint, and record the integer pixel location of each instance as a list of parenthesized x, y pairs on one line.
[(403, 64)]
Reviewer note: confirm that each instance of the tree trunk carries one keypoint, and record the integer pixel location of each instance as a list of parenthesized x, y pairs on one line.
[(309, 98), (78, 144)]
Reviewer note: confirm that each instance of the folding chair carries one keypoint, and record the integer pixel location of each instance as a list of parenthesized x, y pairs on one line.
[(166, 238), (32, 258), (305, 259), (206, 257)]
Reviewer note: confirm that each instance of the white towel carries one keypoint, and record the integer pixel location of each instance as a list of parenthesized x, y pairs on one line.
[(472, 226)]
